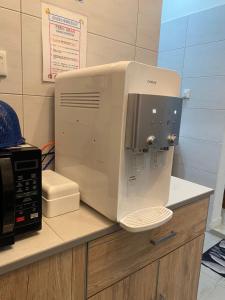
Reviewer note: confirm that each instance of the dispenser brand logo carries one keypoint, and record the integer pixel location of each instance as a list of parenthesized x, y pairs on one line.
[(149, 81)]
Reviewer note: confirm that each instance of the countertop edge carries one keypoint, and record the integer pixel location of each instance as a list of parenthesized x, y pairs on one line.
[(64, 245), (190, 200)]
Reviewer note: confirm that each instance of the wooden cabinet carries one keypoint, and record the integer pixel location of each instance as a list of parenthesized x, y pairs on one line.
[(160, 264), (179, 272), (173, 277), (59, 277), (115, 256), (139, 286)]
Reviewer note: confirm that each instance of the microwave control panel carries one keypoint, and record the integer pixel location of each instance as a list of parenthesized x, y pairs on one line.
[(27, 174)]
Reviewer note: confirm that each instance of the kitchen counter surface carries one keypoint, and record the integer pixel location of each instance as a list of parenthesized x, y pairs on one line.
[(71, 229)]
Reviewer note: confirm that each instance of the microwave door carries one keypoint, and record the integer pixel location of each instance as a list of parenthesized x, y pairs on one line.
[(7, 195)]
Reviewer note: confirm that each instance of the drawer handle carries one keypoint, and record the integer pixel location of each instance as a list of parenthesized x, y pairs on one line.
[(163, 239)]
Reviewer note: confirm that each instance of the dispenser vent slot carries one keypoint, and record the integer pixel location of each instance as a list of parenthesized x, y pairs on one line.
[(89, 100)]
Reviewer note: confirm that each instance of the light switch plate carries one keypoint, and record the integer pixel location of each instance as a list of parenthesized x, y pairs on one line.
[(3, 64)]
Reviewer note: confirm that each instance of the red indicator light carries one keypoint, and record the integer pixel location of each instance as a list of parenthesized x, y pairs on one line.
[(20, 219)]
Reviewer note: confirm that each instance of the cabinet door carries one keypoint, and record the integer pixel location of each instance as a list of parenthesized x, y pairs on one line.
[(13, 285), (51, 278), (179, 272), (115, 256), (59, 277), (138, 286)]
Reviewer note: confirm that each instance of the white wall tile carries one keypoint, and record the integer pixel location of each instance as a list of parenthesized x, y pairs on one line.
[(206, 92), (173, 34), (206, 26), (198, 154), (146, 56), (11, 4), (148, 29), (203, 124), (32, 58), (172, 60), (15, 101), (38, 119), (205, 60), (10, 40), (203, 121), (114, 19), (32, 7), (102, 50), (193, 174)]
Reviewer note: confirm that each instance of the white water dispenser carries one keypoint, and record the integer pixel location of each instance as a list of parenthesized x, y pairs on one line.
[(115, 130)]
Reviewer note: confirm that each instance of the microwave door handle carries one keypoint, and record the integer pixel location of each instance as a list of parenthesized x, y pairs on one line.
[(7, 195)]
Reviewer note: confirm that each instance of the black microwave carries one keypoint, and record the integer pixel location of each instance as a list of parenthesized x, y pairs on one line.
[(20, 192)]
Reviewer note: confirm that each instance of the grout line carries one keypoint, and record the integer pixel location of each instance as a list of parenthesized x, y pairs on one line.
[(30, 15), (97, 34), (205, 76), (110, 38), (185, 46), (205, 43), (171, 50), (25, 94), (16, 94), (32, 95), (11, 9), (23, 116), (180, 163), (193, 45), (218, 143), (101, 35), (203, 108), (21, 45), (151, 50), (136, 34), (192, 13)]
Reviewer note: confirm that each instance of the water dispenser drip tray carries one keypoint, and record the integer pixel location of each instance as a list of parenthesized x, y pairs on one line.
[(146, 219)]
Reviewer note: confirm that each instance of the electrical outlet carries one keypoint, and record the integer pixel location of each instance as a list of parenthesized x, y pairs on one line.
[(187, 94), (3, 64)]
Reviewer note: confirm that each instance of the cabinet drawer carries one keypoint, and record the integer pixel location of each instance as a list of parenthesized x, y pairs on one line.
[(119, 254)]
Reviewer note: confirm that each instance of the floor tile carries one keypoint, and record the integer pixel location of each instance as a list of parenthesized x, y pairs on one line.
[(206, 286), (210, 240), (211, 284), (210, 274), (221, 282), (217, 294)]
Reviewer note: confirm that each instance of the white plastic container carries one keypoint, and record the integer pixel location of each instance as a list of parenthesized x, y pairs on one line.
[(60, 195)]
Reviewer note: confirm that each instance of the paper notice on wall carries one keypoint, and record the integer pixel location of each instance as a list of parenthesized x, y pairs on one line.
[(64, 41)]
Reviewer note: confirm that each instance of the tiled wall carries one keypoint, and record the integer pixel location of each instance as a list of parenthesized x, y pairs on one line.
[(194, 45), (117, 30), (178, 8)]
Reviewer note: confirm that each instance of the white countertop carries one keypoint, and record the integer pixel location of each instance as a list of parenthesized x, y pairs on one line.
[(183, 191), (71, 229)]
